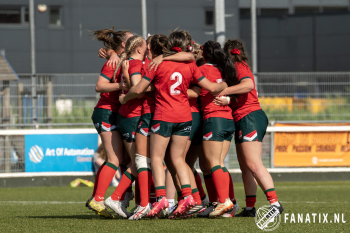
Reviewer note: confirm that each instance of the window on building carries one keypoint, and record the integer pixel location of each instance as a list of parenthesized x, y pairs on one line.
[(335, 9), (14, 14), (273, 12), (244, 12), (307, 10), (55, 16), (209, 17)]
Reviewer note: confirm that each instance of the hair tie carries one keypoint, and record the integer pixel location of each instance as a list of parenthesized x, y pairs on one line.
[(192, 41), (236, 51), (202, 47), (177, 49)]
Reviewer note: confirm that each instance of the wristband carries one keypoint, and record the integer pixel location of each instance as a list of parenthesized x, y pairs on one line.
[(228, 99)]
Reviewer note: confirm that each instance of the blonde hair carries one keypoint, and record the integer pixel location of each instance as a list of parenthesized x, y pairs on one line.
[(130, 47)]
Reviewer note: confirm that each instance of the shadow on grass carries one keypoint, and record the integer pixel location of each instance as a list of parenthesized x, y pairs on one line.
[(75, 217)]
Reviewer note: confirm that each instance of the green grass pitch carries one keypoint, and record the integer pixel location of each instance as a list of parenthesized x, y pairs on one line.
[(62, 209)]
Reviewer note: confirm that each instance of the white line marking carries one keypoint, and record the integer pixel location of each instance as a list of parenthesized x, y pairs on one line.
[(38, 202), (313, 202)]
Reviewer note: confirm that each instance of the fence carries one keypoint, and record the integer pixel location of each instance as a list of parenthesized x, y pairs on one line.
[(12, 152), (68, 99)]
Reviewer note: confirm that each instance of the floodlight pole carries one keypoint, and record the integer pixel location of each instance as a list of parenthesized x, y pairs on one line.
[(254, 37), (33, 65), (144, 18), (220, 27)]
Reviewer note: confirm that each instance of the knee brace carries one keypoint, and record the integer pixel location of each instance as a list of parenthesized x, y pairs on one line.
[(142, 163)]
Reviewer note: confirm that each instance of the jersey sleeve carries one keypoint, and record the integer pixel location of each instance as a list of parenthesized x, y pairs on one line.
[(197, 74), (135, 67), (243, 72), (149, 75), (107, 72)]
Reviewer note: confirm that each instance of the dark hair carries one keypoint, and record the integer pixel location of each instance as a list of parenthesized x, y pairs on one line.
[(175, 39), (158, 44), (110, 38), (213, 53), (149, 38), (236, 44)]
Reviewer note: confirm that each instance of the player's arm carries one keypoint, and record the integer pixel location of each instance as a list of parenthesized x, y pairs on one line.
[(194, 92), (125, 67), (134, 91), (178, 57), (211, 87), (104, 85), (245, 85)]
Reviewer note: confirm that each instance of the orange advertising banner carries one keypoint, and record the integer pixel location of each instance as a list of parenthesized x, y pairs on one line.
[(311, 149)]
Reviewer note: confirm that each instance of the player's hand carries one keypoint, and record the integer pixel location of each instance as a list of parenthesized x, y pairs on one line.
[(121, 99), (125, 65), (102, 53), (222, 101), (113, 61), (155, 63), (124, 86)]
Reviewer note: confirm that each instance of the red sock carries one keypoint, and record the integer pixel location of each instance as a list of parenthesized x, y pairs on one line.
[(144, 178), (137, 191), (226, 179), (250, 200), (186, 190), (210, 188), (160, 191), (199, 184), (271, 195), (232, 191), (124, 183), (96, 178), (196, 196), (104, 179), (152, 192), (220, 182)]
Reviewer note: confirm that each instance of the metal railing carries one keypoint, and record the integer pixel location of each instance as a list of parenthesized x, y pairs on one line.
[(12, 154), (68, 99), (322, 96)]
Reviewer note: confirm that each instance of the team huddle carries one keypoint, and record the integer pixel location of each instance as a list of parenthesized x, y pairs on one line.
[(168, 101)]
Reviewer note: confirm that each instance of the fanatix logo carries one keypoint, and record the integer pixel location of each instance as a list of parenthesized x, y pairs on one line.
[(267, 218)]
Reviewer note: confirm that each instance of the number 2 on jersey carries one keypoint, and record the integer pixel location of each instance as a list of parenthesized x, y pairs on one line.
[(175, 85)]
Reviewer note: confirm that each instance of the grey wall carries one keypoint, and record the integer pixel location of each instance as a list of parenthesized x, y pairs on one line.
[(301, 43), (69, 49)]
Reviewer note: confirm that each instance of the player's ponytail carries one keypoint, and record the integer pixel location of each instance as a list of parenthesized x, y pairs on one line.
[(176, 43), (158, 44), (213, 53), (235, 51), (111, 39), (131, 44)]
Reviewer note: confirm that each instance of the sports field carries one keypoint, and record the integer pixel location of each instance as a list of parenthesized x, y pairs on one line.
[(62, 209)]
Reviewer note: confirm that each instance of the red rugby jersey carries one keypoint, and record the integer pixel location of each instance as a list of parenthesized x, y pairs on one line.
[(133, 107), (172, 80), (209, 109), (109, 100), (193, 102), (248, 102), (149, 102)]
